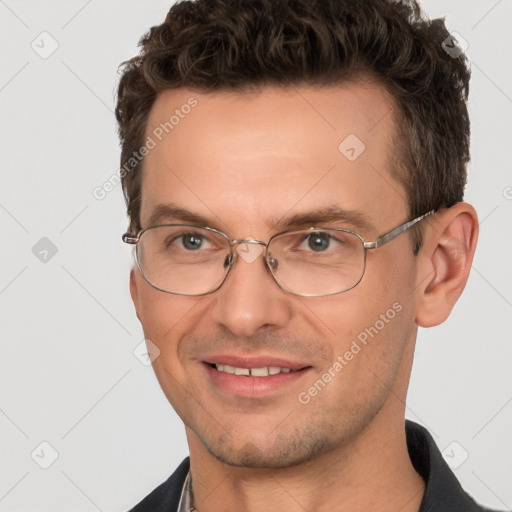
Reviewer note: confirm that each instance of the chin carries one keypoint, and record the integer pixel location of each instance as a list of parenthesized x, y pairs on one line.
[(275, 452)]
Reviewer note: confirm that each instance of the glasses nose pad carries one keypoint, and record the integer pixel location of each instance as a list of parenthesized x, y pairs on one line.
[(228, 261), (272, 263)]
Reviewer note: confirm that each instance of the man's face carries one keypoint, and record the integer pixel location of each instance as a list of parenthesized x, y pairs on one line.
[(245, 163)]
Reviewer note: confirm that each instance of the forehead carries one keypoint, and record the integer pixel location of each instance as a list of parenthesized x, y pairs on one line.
[(245, 159)]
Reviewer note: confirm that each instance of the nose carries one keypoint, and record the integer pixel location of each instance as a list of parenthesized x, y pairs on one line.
[(250, 300)]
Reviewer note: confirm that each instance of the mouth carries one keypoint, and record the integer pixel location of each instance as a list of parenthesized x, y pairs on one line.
[(253, 378), (264, 371)]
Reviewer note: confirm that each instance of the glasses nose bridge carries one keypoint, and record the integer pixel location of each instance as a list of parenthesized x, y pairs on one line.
[(232, 243), (234, 252)]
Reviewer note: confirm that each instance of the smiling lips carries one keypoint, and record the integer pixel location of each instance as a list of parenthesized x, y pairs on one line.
[(253, 376), (264, 371)]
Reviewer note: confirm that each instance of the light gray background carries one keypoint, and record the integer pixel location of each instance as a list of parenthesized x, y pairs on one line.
[(68, 373)]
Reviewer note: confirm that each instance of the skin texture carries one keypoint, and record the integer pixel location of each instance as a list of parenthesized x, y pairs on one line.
[(246, 161)]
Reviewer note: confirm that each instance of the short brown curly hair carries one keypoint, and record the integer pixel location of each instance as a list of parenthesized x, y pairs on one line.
[(242, 45)]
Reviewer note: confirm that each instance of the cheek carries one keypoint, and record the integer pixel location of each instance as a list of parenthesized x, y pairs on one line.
[(368, 326), (367, 348), (161, 313), (165, 318)]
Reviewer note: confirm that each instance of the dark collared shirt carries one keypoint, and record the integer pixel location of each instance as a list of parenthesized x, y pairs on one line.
[(443, 493)]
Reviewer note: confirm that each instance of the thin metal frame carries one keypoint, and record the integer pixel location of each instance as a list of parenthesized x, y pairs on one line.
[(367, 245)]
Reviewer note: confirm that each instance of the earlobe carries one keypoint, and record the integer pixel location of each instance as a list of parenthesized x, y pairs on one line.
[(445, 262)]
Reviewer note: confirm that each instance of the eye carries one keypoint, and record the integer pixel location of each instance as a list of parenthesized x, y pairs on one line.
[(189, 241), (192, 241), (319, 241)]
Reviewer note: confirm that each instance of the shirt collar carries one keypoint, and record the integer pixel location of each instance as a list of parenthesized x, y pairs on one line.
[(185, 504), (443, 491)]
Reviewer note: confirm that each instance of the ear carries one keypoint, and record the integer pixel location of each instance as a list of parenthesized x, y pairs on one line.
[(445, 262), (134, 292)]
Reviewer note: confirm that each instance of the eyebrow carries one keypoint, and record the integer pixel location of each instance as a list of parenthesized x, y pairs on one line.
[(316, 218), (328, 215), (167, 212)]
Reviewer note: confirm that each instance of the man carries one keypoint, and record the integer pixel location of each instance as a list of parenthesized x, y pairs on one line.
[(294, 174)]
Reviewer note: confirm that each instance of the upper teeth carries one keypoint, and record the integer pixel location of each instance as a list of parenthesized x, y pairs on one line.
[(253, 372)]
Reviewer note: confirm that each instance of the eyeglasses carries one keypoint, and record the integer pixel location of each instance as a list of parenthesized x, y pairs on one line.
[(185, 259)]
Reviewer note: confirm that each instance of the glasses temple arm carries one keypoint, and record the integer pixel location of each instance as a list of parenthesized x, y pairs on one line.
[(384, 239)]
